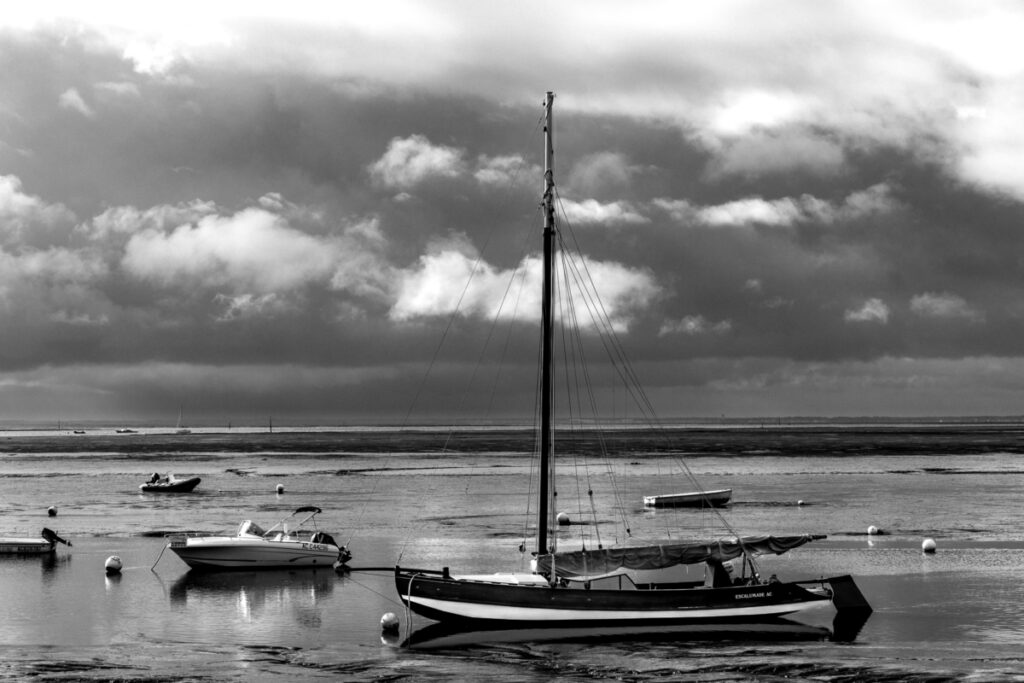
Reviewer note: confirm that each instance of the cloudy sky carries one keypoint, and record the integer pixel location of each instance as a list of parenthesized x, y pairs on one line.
[(248, 209)]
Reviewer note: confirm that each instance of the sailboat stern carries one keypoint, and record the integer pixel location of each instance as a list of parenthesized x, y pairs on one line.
[(846, 596)]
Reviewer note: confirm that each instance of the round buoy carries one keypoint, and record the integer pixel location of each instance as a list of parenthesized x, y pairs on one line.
[(52, 511), (389, 623), (928, 545), (113, 565), (872, 530), (799, 502), (563, 519), (280, 488)]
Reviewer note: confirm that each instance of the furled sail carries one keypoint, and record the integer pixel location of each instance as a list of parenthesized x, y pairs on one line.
[(610, 560)]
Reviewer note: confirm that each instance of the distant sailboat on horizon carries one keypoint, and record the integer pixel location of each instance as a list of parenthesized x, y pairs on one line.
[(179, 429)]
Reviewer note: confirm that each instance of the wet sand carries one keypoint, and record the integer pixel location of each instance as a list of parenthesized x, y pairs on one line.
[(948, 616)]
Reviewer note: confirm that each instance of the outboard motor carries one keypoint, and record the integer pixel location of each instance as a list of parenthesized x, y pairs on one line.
[(51, 537), (322, 537)]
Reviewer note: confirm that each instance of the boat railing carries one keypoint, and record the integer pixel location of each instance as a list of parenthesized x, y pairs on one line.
[(178, 539)]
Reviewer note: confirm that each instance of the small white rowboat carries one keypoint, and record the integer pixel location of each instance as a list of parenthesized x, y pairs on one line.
[(692, 499)]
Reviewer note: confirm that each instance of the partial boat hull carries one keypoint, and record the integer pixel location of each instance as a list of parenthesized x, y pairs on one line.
[(446, 599), (44, 544), (716, 498), (26, 546)]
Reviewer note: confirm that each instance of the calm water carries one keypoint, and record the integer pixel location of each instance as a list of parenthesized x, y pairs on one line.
[(953, 615)]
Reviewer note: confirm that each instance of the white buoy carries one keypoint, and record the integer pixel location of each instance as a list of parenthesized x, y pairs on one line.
[(928, 545), (280, 488), (52, 511), (113, 565), (799, 502), (389, 623), (872, 530), (563, 519)]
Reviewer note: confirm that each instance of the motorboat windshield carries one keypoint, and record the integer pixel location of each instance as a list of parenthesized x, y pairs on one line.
[(249, 527)]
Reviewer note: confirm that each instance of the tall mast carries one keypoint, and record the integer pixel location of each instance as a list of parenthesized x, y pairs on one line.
[(547, 329)]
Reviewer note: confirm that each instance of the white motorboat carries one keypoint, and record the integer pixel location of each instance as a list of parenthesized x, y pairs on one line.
[(284, 545), (43, 544)]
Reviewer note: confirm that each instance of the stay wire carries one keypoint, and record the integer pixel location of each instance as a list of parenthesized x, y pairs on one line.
[(450, 324), (619, 359)]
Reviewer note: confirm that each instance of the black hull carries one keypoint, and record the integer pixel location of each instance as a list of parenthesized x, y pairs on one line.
[(448, 600)]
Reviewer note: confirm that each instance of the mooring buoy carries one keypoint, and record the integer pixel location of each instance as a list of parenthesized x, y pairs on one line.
[(389, 623), (113, 565)]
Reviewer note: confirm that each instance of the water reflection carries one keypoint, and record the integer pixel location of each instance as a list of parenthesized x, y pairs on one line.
[(253, 595), (111, 581), (49, 563), (844, 628)]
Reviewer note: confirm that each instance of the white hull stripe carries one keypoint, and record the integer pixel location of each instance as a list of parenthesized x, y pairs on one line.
[(467, 610)]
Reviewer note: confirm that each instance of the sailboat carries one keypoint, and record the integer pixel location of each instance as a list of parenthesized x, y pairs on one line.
[(615, 587), (178, 429)]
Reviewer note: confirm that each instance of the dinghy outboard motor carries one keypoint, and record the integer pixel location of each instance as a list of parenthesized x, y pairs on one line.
[(52, 537)]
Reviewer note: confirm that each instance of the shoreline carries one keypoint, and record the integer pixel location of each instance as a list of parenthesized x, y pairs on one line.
[(616, 442)]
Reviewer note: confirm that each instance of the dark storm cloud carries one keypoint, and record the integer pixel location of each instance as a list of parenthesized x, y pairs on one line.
[(796, 210)]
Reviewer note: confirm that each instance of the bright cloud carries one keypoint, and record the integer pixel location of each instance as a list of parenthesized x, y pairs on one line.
[(72, 99), (694, 325), (872, 311), (741, 112), (19, 211), (503, 170), (250, 251), (593, 211), (409, 161), (126, 220), (785, 211), (944, 305), (55, 283), (438, 287)]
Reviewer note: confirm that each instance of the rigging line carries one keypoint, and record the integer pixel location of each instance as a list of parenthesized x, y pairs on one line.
[(570, 369), (615, 349), (535, 454), (375, 592), (581, 380), (522, 275), (588, 383), (594, 306), (515, 183)]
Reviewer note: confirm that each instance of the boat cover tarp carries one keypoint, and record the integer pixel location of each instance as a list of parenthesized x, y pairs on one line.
[(610, 560)]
